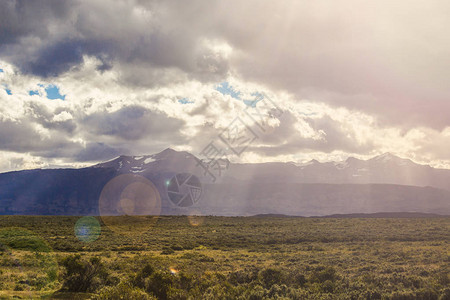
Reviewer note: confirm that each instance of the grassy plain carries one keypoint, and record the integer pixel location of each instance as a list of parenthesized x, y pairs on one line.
[(228, 258)]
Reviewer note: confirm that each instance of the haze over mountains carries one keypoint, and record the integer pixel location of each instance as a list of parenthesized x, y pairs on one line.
[(385, 183)]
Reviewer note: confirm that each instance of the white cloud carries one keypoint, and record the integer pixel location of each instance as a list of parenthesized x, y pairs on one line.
[(353, 78)]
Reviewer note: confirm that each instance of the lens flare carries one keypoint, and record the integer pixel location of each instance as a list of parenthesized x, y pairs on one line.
[(129, 204), (184, 190), (87, 229)]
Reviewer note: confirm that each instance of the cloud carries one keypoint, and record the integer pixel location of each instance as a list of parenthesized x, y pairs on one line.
[(133, 123), (383, 58), (20, 19), (98, 152), (25, 136), (149, 35), (352, 77), (321, 134)]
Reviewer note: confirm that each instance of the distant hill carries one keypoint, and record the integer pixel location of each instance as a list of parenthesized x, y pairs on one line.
[(275, 216), (383, 169), (385, 183), (387, 215)]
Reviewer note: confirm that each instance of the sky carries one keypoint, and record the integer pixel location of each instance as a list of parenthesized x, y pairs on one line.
[(85, 81)]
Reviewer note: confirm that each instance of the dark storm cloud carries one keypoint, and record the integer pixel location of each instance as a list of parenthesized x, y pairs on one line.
[(58, 56), (134, 123), (24, 137), (22, 18), (62, 56), (118, 32)]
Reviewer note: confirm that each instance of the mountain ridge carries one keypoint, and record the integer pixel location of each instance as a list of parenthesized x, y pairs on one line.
[(385, 156), (353, 186), (167, 152)]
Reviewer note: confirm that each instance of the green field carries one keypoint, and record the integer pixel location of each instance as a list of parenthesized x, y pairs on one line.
[(227, 258)]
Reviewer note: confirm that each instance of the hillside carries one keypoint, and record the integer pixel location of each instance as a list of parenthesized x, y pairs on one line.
[(244, 189)]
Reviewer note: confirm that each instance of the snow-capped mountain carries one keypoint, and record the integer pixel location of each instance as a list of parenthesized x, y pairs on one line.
[(162, 161), (382, 169), (384, 183)]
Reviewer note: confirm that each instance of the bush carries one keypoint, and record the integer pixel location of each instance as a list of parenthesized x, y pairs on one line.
[(155, 282), (21, 239), (257, 293), (184, 281), (444, 278), (445, 294), (167, 251), (270, 277), (427, 294), (123, 290), (83, 275), (159, 284), (177, 294), (277, 291), (328, 286), (243, 276), (372, 295), (404, 295), (296, 279), (321, 276), (146, 272)]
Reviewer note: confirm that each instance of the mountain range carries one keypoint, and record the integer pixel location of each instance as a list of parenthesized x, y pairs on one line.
[(385, 183)]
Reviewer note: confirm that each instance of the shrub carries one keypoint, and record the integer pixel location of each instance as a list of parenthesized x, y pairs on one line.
[(167, 251), (177, 294), (321, 276), (427, 294), (123, 290), (404, 295), (21, 239), (270, 277), (242, 276), (296, 279), (444, 278), (372, 295), (257, 293), (146, 272), (445, 294), (328, 286), (83, 275), (184, 281), (277, 291), (155, 282), (159, 284)]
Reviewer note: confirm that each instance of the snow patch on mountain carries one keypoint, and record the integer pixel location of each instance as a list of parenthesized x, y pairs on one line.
[(149, 160)]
